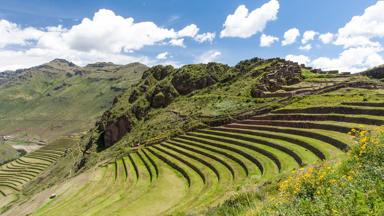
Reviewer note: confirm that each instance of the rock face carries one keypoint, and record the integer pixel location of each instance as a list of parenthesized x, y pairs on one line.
[(160, 85), (277, 75), (115, 131)]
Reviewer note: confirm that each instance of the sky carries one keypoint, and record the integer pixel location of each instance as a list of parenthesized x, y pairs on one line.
[(346, 35)]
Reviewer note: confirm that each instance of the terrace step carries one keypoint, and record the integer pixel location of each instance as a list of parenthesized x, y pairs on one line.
[(202, 140), (321, 117), (298, 142), (298, 124), (238, 143), (227, 154), (256, 141), (208, 155), (334, 109)]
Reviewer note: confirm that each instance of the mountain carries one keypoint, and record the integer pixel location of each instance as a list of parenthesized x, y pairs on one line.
[(209, 139), (59, 98)]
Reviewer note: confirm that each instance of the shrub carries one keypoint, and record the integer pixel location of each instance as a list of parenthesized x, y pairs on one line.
[(352, 187)]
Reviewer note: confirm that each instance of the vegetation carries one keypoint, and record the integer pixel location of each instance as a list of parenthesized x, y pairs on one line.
[(208, 165), (7, 153), (190, 141), (60, 98), (353, 186)]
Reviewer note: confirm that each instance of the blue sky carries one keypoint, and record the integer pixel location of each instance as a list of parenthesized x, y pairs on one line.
[(35, 31)]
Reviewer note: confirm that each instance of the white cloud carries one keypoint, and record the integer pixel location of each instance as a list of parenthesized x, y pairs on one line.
[(188, 31), (208, 36), (112, 33), (12, 34), (12, 60), (326, 38), (244, 24), (308, 36), (352, 60), (104, 37), (361, 30), (267, 40), (162, 56), (290, 36), (208, 56), (306, 47), (301, 59), (177, 42)]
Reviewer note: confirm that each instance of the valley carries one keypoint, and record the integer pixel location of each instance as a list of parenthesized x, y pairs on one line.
[(184, 141)]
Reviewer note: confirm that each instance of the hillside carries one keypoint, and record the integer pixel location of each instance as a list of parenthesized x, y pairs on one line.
[(7, 153), (59, 98), (375, 73), (193, 140)]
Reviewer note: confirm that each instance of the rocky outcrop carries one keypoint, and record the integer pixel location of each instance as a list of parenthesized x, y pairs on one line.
[(276, 76), (162, 95), (114, 131), (194, 77)]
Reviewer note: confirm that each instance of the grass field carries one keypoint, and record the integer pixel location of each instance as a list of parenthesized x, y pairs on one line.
[(203, 168)]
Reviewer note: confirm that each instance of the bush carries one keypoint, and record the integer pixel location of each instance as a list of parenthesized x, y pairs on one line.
[(352, 187)]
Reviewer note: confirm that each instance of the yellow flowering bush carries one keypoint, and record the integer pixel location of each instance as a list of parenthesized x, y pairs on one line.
[(352, 187)]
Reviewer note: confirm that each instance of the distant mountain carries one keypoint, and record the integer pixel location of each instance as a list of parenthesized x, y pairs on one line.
[(59, 97)]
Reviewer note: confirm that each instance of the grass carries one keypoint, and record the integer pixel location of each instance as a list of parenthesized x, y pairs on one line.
[(348, 187), (173, 163), (7, 153), (46, 106), (193, 173)]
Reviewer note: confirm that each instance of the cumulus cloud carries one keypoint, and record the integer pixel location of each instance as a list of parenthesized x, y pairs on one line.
[(162, 56), (353, 59), (290, 36), (208, 36), (360, 40), (177, 42), (362, 30), (267, 40), (301, 59), (244, 24), (12, 60), (208, 56), (326, 38), (12, 34), (306, 47), (106, 36), (308, 36), (189, 31), (109, 32)]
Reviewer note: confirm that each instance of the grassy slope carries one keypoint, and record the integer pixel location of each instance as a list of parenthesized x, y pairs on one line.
[(353, 186), (250, 191), (7, 153), (48, 103), (113, 191), (222, 100)]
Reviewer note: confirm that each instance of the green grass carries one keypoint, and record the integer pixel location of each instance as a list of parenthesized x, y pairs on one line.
[(7, 153), (348, 187), (42, 107), (173, 163), (193, 173)]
